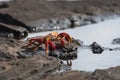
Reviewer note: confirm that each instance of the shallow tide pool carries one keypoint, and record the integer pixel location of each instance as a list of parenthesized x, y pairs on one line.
[(103, 33)]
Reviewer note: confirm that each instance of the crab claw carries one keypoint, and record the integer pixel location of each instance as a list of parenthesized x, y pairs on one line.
[(66, 36), (50, 45), (54, 33), (51, 36), (69, 63)]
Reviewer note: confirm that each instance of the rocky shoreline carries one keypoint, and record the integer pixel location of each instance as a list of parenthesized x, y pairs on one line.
[(45, 16), (42, 67), (20, 32), (18, 19), (105, 74)]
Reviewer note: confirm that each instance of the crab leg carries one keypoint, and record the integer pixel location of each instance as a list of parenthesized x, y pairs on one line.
[(69, 63), (36, 47), (66, 36), (30, 43), (49, 46)]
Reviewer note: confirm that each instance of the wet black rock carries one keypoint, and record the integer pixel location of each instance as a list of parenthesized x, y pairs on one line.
[(9, 35), (9, 20), (68, 52), (96, 48), (65, 53), (116, 41), (3, 5), (11, 31), (50, 24)]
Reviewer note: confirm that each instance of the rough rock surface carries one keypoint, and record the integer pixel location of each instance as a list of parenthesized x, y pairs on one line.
[(32, 68), (32, 64), (99, 74), (40, 67), (9, 48), (51, 15), (49, 9), (13, 67)]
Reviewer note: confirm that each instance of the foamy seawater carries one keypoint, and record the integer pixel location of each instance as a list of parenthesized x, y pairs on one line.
[(103, 33)]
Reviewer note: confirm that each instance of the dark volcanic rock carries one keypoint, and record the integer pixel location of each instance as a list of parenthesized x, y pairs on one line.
[(51, 15), (9, 48), (99, 75), (9, 20), (108, 74), (3, 5), (114, 72), (12, 67), (116, 41), (10, 31), (35, 68), (96, 48), (68, 52), (44, 9), (51, 24)]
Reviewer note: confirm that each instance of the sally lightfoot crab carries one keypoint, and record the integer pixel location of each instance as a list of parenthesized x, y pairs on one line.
[(52, 41)]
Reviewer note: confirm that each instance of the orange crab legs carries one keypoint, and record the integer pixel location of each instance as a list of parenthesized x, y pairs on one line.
[(61, 39), (39, 41), (50, 41), (50, 45), (69, 63)]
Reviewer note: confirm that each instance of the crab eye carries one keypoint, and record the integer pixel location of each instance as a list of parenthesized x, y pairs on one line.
[(22, 34)]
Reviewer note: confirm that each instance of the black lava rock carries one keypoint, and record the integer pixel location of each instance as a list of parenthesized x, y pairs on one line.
[(96, 48)]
